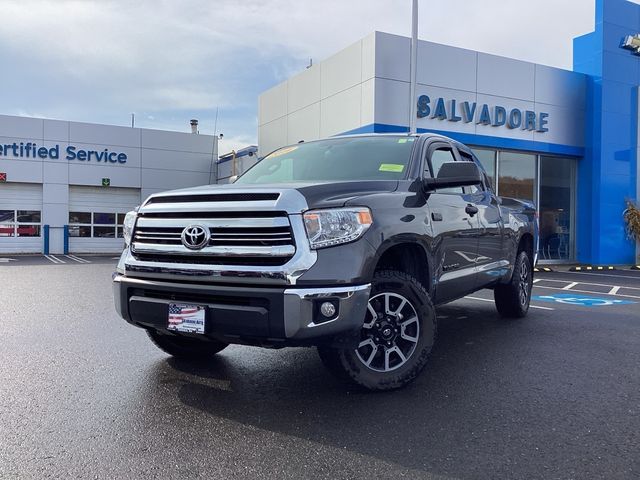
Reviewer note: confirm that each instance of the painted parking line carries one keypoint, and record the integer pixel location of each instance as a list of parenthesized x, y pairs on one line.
[(77, 259), (584, 283), (492, 301), (634, 277), (7, 260), (592, 288), (54, 259), (636, 297)]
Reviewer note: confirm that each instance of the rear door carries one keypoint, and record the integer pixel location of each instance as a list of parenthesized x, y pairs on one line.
[(455, 230)]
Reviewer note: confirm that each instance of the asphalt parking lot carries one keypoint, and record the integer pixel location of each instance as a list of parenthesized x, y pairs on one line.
[(552, 396)]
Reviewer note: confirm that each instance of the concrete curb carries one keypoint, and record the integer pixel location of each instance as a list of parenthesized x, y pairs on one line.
[(589, 268)]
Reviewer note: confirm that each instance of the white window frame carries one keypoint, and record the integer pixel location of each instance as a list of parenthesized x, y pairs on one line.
[(15, 224)]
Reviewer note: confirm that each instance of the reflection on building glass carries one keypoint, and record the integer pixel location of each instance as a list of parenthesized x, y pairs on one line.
[(516, 175), (517, 178), (488, 160), (556, 208)]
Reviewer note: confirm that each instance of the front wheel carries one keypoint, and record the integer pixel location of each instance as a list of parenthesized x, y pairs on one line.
[(512, 299), (186, 348), (396, 338)]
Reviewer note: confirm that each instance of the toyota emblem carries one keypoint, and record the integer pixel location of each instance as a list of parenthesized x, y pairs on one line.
[(195, 237)]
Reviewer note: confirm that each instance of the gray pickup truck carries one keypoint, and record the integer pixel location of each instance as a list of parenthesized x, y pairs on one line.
[(346, 244)]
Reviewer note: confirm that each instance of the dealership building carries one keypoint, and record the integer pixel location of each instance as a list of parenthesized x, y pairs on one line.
[(66, 186), (568, 140)]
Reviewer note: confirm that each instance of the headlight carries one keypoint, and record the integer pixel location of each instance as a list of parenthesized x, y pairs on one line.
[(329, 227), (127, 226)]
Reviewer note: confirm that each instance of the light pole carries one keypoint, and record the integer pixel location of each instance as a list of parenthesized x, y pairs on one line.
[(414, 63)]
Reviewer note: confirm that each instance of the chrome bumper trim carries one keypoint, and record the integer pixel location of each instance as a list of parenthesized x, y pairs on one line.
[(299, 305)]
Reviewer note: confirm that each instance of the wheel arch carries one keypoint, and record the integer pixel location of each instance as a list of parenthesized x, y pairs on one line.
[(408, 255), (526, 243)]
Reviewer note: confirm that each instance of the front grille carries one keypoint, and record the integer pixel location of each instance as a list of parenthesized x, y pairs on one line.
[(240, 239)]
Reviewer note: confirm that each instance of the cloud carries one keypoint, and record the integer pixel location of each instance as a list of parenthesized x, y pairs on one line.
[(169, 61)]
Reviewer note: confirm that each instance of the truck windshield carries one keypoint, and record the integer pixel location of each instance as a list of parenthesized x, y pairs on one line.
[(336, 159)]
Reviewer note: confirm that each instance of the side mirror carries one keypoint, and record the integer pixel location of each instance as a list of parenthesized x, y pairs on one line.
[(454, 174), (233, 178)]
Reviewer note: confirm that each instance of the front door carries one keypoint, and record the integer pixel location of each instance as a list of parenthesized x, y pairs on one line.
[(455, 226)]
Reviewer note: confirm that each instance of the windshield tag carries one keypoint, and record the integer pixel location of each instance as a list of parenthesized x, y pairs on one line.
[(391, 167)]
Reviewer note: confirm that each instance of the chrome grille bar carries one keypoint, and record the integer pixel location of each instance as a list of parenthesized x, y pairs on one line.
[(237, 222), (224, 251)]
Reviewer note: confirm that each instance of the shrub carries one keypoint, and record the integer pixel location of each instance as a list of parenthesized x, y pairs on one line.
[(632, 219)]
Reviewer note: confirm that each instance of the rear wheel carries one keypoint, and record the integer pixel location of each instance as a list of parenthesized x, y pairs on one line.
[(512, 299), (396, 338), (185, 347)]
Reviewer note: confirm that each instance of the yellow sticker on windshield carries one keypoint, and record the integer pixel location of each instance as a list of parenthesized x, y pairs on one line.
[(405, 140), (391, 167), (282, 151)]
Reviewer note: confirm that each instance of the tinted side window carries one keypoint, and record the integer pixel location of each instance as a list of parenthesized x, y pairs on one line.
[(485, 179), (438, 158)]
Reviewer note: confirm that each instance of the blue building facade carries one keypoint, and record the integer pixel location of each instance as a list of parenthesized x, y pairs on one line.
[(608, 173)]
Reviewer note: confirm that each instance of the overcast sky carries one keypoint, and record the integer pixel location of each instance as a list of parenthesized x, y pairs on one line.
[(169, 61)]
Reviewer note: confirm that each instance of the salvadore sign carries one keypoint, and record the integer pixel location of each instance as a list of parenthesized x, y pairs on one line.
[(70, 152), (482, 114)]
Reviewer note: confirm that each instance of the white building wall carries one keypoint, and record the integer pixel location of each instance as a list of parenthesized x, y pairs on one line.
[(156, 161), (367, 83), (326, 99)]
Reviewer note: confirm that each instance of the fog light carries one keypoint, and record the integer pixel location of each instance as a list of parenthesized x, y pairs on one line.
[(328, 309)]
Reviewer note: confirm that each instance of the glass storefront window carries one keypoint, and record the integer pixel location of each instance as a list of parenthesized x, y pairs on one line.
[(20, 223), (7, 230), (488, 160), (549, 183), (96, 224), (80, 217), (28, 230), (28, 216), (104, 232), (7, 216), (77, 231), (104, 218), (517, 175), (556, 208)]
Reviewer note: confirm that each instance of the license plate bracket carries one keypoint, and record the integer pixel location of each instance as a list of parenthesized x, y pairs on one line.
[(186, 318)]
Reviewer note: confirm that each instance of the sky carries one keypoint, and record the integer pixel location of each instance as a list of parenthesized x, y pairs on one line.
[(169, 61)]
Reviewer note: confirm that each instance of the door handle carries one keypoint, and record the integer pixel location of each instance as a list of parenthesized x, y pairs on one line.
[(471, 210)]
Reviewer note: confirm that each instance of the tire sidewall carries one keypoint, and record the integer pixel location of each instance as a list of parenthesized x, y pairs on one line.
[(389, 281), (523, 259)]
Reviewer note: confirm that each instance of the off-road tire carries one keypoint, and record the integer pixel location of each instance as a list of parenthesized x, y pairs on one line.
[(513, 299), (186, 348), (348, 362)]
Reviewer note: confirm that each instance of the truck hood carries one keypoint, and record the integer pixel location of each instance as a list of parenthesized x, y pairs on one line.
[(317, 195)]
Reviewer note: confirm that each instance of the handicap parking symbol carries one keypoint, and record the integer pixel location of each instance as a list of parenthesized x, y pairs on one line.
[(581, 300)]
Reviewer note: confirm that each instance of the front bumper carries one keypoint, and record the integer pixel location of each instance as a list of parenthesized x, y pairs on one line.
[(248, 315)]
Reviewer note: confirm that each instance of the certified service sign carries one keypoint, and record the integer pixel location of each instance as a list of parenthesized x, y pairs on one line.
[(70, 152)]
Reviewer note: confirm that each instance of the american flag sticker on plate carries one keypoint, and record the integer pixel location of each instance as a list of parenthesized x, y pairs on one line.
[(186, 318)]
